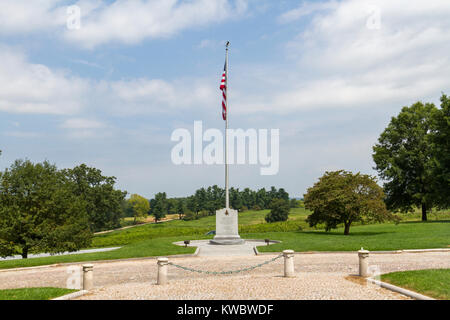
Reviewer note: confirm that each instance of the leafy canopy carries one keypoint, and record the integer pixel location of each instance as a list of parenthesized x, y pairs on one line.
[(39, 211), (279, 210), (341, 197)]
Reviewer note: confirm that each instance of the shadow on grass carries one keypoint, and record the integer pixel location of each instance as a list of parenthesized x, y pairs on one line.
[(425, 222), (352, 234)]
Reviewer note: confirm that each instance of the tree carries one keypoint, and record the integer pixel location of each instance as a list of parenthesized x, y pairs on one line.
[(341, 197), (440, 140), (39, 211), (140, 206), (159, 210), (279, 211), (180, 208), (103, 202), (294, 203), (403, 158)]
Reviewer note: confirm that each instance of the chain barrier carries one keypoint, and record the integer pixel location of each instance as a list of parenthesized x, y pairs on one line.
[(226, 272)]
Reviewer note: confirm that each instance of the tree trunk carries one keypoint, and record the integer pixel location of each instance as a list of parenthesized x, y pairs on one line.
[(424, 212), (347, 229), (24, 252)]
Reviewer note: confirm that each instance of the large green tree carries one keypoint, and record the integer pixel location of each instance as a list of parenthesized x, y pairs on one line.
[(440, 139), (103, 201), (39, 211), (341, 197), (403, 158)]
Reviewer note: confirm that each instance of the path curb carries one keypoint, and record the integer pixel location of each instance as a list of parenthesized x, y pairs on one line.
[(55, 265), (371, 252), (403, 291), (72, 295)]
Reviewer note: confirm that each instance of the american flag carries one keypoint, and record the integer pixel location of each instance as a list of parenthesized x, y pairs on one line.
[(223, 87)]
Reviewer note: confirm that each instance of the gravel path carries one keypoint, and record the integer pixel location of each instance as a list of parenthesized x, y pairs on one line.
[(319, 276)]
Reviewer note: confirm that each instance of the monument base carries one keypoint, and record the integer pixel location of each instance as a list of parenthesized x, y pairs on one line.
[(227, 240), (227, 228)]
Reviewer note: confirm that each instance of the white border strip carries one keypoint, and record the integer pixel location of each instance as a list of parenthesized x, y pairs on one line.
[(72, 295), (403, 291)]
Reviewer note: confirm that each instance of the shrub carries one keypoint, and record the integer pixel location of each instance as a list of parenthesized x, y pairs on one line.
[(279, 211)]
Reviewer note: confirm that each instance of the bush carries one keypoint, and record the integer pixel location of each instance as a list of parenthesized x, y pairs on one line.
[(189, 215), (256, 208), (279, 211)]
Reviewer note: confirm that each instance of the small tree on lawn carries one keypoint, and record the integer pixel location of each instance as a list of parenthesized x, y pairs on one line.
[(279, 211), (341, 197), (140, 206), (159, 209)]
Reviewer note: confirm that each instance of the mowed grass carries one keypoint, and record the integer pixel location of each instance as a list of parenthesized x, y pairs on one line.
[(434, 283), (375, 237), (33, 293), (157, 239)]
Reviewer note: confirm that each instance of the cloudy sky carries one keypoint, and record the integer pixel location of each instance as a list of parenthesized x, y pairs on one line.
[(328, 74)]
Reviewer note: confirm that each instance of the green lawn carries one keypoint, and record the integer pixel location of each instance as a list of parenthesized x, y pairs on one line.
[(375, 237), (33, 293), (433, 283), (156, 239)]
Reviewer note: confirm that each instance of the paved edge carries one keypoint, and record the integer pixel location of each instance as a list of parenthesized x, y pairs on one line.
[(195, 254), (371, 252), (72, 295), (401, 290)]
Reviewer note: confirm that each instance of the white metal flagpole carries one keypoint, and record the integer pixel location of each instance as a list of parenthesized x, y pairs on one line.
[(227, 195)]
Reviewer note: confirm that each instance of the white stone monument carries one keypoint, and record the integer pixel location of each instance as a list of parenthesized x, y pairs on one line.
[(227, 227)]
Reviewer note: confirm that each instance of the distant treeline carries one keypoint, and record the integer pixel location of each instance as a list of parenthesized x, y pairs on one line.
[(205, 201)]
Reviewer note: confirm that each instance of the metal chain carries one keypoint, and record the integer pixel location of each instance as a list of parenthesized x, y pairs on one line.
[(226, 272)]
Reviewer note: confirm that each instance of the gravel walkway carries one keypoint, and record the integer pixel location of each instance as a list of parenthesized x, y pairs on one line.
[(319, 276)]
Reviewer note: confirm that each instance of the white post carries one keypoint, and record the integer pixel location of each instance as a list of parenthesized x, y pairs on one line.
[(88, 276), (363, 263), (289, 263), (227, 195), (162, 271)]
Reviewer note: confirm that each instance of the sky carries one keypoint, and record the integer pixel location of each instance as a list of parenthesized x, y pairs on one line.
[(109, 91)]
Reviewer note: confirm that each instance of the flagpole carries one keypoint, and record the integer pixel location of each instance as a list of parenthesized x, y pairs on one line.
[(227, 194)]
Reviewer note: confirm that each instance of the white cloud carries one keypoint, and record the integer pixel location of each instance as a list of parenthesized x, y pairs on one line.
[(79, 123), (34, 88), (352, 66), (130, 22), (147, 96), (305, 9), (24, 16)]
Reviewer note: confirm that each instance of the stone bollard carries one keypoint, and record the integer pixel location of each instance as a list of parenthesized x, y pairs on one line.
[(162, 271), (288, 263), (363, 263), (88, 276)]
